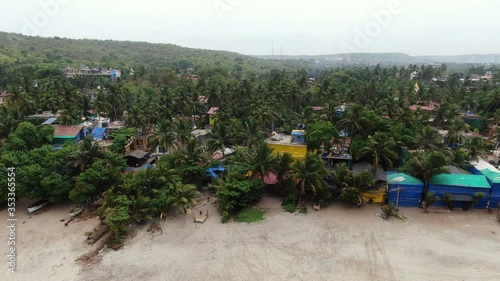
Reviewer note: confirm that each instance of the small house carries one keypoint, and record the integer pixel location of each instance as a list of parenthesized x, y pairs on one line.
[(288, 144), (63, 134)]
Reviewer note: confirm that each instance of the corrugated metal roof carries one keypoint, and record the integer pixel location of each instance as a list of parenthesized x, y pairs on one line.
[(474, 181), (492, 173), (67, 131), (50, 121), (403, 179), (137, 154), (362, 166)]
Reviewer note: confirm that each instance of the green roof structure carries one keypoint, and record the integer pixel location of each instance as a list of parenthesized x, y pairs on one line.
[(462, 180), (488, 170)]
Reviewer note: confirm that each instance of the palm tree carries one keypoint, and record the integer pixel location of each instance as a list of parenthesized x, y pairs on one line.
[(101, 106), (164, 136), (354, 120), (429, 199), (263, 160), (86, 154), (136, 118), (116, 97), (425, 165), (357, 184), (141, 207), (220, 137), (477, 148), (380, 148), (455, 135), (428, 139), (189, 154), (311, 173), (283, 166), (183, 196), (19, 100), (251, 134), (182, 129), (265, 115)]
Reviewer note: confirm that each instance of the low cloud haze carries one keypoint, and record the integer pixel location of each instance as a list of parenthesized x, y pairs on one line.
[(258, 27)]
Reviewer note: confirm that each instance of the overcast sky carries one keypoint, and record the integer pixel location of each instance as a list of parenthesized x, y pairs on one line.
[(252, 27)]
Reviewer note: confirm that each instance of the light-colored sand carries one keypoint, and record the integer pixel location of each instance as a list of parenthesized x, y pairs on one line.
[(336, 243)]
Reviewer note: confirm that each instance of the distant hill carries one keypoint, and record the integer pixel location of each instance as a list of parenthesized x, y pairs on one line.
[(20, 49), (391, 58)]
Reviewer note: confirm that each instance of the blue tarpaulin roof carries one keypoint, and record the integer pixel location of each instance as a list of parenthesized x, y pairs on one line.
[(212, 171), (98, 133), (50, 121)]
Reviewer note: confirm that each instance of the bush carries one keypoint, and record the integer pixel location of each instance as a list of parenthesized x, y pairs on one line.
[(225, 217), (448, 202), (291, 198), (430, 198), (390, 211), (289, 208), (236, 195), (349, 196), (477, 196)]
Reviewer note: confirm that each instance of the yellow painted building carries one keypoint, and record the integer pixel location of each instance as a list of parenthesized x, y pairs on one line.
[(285, 143), (374, 197)]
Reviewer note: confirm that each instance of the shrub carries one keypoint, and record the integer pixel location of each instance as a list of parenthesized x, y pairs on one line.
[(447, 201), (430, 198), (477, 196), (289, 208), (390, 211)]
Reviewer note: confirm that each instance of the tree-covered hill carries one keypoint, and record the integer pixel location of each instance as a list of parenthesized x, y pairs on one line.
[(49, 54)]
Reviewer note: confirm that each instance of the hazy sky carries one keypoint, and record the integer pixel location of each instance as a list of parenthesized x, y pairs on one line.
[(415, 27)]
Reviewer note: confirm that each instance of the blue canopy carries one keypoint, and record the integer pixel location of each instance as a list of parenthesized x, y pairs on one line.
[(213, 171), (98, 133)]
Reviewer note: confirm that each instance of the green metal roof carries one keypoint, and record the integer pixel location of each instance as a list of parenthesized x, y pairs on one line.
[(493, 176), (492, 173), (475, 181), (402, 178)]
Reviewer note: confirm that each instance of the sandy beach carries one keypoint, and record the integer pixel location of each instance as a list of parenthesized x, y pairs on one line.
[(336, 243)]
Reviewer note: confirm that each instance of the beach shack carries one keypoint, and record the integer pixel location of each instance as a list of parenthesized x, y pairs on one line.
[(404, 190), (492, 174), (462, 189), (376, 195)]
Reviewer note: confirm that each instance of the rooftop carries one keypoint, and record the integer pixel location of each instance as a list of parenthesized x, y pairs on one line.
[(475, 181), (283, 139), (66, 131), (212, 110), (403, 179)]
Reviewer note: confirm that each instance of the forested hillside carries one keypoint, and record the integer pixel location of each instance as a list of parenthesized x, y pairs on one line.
[(39, 57)]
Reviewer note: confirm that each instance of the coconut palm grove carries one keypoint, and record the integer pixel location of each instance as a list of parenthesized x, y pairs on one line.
[(131, 132)]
